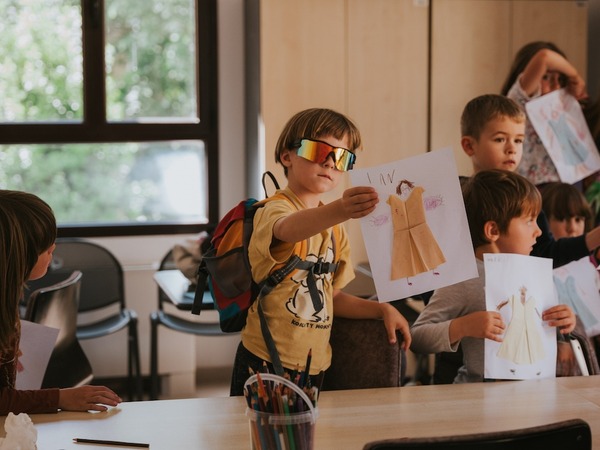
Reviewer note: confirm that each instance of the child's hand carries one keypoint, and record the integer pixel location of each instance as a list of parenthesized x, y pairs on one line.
[(576, 87), (394, 321), (359, 201), (87, 398), (481, 324), (560, 316)]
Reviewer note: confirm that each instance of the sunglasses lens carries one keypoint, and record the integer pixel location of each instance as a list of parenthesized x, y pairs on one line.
[(318, 152), (344, 159)]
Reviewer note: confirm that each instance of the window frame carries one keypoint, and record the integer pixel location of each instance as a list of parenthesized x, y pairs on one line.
[(94, 128)]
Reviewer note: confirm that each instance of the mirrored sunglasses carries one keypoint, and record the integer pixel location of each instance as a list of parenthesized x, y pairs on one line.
[(318, 152)]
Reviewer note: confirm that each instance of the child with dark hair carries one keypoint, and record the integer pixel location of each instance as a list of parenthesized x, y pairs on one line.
[(539, 68), (28, 232)]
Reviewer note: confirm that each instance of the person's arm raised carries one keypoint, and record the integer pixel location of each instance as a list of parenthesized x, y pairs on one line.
[(545, 61), (356, 202)]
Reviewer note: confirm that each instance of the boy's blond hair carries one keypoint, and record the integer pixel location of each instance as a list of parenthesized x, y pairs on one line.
[(316, 123), (498, 196), (479, 111)]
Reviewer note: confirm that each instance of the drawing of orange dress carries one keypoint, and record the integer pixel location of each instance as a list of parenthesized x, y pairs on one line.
[(414, 248)]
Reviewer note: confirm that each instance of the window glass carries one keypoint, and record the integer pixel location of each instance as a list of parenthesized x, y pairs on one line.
[(41, 61), (150, 60), (112, 183)]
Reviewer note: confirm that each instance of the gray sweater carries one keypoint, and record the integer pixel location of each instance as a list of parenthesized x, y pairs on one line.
[(430, 331)]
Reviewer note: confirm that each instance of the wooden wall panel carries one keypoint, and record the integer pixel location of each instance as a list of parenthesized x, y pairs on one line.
[(474, 43), (387, 92), (370, 59), (563, 22), (302, 62), (470, 53)]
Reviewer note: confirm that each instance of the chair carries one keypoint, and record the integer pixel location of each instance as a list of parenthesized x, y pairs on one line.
[(172, 322), (587, 346), (362, 357), (56, 306), (102, 291), (573, 434)]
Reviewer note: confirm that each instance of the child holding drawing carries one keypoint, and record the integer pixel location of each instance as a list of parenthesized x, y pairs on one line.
[(315, 147), (539, 68), (493, 131), (28, 231), (501, 210)]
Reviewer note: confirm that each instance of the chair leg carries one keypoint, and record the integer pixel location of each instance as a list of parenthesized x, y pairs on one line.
[(134, 369), (153, 357)]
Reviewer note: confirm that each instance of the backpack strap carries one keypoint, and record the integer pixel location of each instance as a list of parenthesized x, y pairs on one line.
[(265, 287), (200, 287), (294, 263), (273, 180)]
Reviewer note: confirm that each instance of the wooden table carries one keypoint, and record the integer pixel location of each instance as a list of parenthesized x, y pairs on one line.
[(347, 419)]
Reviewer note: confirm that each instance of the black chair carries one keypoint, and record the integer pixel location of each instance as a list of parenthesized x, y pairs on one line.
[(175, 323), (571, 434), (361, 356), (102, 291), (56, 306), (587, 347)]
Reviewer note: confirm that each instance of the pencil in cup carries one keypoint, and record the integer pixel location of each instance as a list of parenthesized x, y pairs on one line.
[(275, 423)]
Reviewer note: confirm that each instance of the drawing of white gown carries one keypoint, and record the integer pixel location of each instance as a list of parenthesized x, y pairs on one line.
[(522, 343)]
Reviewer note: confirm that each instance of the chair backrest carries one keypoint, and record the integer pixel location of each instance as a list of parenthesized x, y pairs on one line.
[(56, 306), (587, 346), (167, 263), (102, 283), (571, 434), (361, 357)]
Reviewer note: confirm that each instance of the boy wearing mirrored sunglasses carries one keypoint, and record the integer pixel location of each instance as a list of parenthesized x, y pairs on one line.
[(315, 147)]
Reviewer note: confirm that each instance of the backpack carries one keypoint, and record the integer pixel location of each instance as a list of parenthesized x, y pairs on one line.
[(225, 269)]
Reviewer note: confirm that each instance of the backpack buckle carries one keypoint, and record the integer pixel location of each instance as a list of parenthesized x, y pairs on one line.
[(321, 267)]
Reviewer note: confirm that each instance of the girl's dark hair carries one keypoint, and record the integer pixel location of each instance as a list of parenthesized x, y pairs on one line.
[(27, 229), (562, 201), (523, 57)]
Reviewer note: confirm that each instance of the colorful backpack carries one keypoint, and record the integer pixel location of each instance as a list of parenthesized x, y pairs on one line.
[(225, 269)]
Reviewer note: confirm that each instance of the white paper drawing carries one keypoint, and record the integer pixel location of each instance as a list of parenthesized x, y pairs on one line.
[(36, 345), (560, 124), (577, 285), (520, 288), (417, 239)]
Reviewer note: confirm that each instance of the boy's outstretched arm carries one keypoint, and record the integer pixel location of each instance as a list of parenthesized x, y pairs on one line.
[(352, 307), (481, 324), (561, 316), (356, 202)]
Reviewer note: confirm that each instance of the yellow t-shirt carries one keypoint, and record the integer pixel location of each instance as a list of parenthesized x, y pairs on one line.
[(293, 321)]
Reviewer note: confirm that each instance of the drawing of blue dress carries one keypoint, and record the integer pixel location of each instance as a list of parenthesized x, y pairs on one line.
[(567, 294), (573, 150)]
